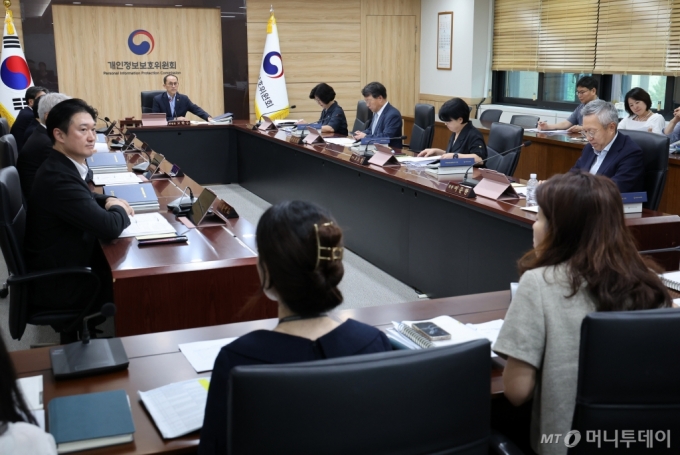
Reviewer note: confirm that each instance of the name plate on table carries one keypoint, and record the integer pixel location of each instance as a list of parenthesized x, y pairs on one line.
[(179, 122), (313, 136), (383, 156), (266, 124), (129, 122), (495, 185), (358, 158), (460, 190), (632, 202)]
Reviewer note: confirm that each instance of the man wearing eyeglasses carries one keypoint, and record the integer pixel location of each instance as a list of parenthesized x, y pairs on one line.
[(586, 91), (175, 105), (609, 153)]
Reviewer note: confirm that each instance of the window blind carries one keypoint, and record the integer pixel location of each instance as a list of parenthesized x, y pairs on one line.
[(515, 35), (567, 36), (633, 36)]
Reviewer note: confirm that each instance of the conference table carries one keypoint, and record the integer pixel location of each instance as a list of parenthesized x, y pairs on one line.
[(551, 154), (401, 220), (206, 281), (155, 360)]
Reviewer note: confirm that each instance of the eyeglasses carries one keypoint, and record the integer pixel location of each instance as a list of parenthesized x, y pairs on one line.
[(582, 92), (589, 133)]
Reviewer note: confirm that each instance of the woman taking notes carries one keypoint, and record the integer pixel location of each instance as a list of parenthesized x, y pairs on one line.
[(333, 118), (584, 259), (300, 267), (466, 141), (638, 104)]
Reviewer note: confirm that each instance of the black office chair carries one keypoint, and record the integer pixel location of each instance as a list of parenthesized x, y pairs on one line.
[(4, 126), (626, 379), (655, 155), (491, 115), (8, 151), (433, 401), (147, 100), (22, 309), (364, 114), (502, 137), (423, 128), (525, 121)]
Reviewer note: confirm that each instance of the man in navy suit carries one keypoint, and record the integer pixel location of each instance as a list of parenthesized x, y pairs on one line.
[(609, 153), (386, 121), (175, 105)]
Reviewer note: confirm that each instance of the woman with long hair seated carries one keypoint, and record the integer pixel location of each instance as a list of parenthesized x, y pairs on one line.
[(584, 259), (19, 431), (300, 267)]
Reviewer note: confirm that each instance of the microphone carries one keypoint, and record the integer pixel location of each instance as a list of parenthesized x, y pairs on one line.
[(108, 310), (472, 182), (177, 203), (401, 138)]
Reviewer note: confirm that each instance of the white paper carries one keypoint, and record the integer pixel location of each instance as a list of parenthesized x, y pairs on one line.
[(177, 409), (536, 130), (345, 141), (116, 178), (101, 147), (32, 390), (286, 121), (147, 224), (533, 209), (417, 159), (488, 330), (202, 354)]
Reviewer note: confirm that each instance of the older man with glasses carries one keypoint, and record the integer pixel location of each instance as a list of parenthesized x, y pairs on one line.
[(609, 153), (586, 91)]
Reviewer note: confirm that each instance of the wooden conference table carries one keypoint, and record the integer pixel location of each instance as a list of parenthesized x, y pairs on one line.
[(203, 282), (155, 360), (403, 221), (552, 154)]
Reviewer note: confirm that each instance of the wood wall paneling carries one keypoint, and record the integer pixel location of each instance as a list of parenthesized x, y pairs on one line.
[(82, 66), (325, 41), (391, 58)]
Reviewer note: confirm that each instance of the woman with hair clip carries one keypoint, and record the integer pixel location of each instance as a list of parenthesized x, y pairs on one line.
[(584, 259), (333, 118), (19, 431), (300, 267)]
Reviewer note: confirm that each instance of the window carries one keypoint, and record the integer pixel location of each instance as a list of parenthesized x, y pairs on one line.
[(561, 88), (654, 85), (521, 84), (531, 88)]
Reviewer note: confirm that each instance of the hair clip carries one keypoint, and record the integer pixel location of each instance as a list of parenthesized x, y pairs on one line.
[(333, 253)]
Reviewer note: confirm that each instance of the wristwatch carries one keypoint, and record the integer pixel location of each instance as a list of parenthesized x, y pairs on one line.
[(455, 156)]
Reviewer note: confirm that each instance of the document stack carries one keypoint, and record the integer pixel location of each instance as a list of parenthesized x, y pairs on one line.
[(140, 196), (106, 163)]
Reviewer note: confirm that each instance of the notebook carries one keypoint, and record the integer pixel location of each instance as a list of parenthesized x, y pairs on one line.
[(140, 196), (91, 420), (403, 336), (671, 280)]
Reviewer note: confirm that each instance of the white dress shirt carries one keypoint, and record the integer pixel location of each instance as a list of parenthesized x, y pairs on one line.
[(82, 168), (376, 116)]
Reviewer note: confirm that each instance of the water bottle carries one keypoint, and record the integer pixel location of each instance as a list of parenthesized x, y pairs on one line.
[(532, 184)]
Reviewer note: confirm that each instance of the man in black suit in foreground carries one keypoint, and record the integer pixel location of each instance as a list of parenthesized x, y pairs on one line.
[(175, 105), (38, 146), (64, 218)]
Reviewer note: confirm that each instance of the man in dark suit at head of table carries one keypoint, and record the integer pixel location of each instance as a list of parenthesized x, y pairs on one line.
[(174, 104), (608, 152), (65, 219), (386, 121), (26, 115)]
